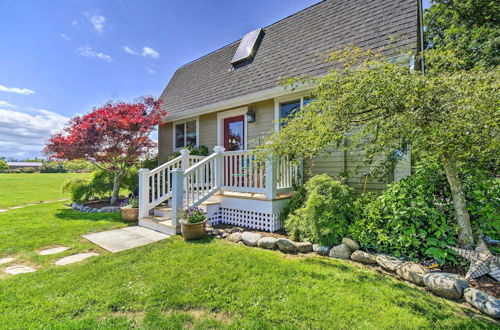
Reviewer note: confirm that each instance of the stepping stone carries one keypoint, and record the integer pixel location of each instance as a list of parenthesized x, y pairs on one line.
[(19, 269), (117, 240), (6, 260), (75, 258), (53, 250)]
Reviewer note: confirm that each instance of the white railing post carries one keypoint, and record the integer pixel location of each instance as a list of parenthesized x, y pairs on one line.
[(185, 158), (271, 177), (219, 166), (143, 192), (177, 195)]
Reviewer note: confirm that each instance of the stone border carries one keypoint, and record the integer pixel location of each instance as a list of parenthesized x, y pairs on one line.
[(447, 285), (88, 209)]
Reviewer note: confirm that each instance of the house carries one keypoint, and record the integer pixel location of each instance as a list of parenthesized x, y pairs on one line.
[(231, 99), (21, 165)]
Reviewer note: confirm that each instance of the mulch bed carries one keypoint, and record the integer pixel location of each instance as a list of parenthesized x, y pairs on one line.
[(484, 283), (100, 204)]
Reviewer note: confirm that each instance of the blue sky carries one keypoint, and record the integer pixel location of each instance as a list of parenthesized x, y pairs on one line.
[(60, 58)]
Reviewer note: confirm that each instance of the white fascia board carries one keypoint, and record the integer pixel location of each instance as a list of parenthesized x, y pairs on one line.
[(240, 101)]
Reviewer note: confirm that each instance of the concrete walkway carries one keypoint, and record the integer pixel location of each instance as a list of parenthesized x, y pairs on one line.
[(117, 240)]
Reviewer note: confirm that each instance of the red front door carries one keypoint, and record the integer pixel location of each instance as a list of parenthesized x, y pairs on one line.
[(234, 133)]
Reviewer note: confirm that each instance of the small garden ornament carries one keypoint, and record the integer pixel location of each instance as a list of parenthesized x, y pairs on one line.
[(482, 261)]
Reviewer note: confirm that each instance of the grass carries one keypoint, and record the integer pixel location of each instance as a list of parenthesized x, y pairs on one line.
[(23, 188), (208, 284)]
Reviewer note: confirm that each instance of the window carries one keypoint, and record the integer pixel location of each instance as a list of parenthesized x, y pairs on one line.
[(185, 134), (288, 109)]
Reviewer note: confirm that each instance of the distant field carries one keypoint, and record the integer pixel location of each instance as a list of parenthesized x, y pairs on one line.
[(19, 189)]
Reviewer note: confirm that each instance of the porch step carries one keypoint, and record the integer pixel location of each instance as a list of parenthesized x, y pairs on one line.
[(162, 211), (160, 224)]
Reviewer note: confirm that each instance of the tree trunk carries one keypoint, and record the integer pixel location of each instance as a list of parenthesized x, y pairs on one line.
[(117, 180), (465, 237)]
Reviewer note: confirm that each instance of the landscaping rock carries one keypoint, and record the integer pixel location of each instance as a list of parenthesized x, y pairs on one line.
[(236, 230), (445, 284), (363, 257), (6, 260), (486, 303), (340, 251), (412, 272), (304, 247), (227, 231), (53, 250), (19, 269), (267, 243), (75, 258), (111, 209), (286, 245), (351, 244), (234, 237), (250, 239), (388, 263), (321, 249)]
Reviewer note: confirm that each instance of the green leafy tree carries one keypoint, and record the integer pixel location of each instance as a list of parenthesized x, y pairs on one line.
[(3, 165), (462, 34), (382, 108)]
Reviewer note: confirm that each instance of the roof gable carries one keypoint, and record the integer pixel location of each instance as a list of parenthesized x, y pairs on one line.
[(293, 47)]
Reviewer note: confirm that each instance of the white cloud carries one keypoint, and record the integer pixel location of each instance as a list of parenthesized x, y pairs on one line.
[(74, 22), (147, 51), (150, 70), (24, 91), (89, 52), (7, 104), (65, 37), (23, 134), (129, 50), (97, 21)]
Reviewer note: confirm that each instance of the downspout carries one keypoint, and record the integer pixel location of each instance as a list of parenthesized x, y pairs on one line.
[(421, 33)]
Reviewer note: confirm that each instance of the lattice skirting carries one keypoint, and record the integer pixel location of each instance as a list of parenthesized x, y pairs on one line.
[(249, 219)]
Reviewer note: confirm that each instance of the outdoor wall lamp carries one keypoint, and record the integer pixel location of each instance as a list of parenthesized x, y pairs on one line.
[(250, 116)]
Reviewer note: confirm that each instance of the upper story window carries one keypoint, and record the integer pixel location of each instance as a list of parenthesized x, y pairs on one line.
[(186, 134), (289, 108)]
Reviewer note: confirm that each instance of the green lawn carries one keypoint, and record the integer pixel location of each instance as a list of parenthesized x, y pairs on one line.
[(207, 284), (21, 188)]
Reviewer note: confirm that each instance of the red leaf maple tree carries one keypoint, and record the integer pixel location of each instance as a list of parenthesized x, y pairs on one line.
[(113, 137)]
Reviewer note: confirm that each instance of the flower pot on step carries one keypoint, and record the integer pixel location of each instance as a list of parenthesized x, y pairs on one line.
[(131, 214), (193, 231)]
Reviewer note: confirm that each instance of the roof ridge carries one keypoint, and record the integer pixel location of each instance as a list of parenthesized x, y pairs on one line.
[(265, 27)]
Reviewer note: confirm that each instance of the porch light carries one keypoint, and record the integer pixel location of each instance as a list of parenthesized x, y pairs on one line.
[(250, 116)]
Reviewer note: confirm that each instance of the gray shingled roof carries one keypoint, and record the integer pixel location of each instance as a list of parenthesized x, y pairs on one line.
[(293, 47)]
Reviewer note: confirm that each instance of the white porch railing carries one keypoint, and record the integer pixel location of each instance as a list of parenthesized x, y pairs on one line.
[(190, 180)]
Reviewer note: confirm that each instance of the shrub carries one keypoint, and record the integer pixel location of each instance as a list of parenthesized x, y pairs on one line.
[(415, 217), (28, 170), (326, 213), (3, 165), (79, 189)]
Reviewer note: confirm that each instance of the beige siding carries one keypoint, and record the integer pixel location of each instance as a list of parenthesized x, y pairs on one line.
[(264, 123), (335, 164), (165, 142), (208, 131)]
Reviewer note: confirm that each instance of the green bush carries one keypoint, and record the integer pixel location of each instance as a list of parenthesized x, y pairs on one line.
[(100, 185), (326, 212), (28, 170), (415, 217)]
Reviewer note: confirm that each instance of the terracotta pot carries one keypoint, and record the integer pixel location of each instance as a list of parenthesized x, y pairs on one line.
[(130, 214), (193, 231)]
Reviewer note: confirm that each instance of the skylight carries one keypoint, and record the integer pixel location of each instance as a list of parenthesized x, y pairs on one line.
[(246, 49)]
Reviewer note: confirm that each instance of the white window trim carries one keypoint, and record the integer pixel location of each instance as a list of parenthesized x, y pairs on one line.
[(228, 114), (175, 123), (284, 99)]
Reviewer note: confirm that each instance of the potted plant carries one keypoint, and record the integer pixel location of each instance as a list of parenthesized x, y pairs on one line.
[(130, 209), (193, 223)]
